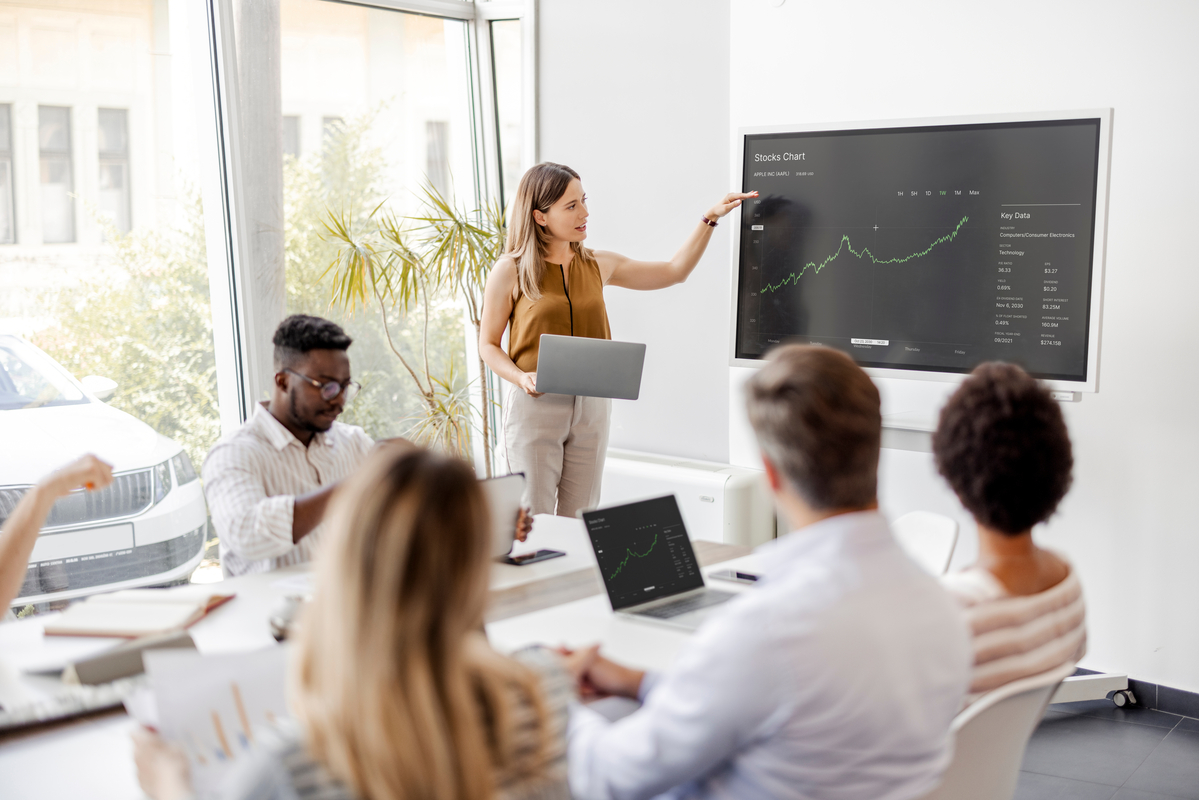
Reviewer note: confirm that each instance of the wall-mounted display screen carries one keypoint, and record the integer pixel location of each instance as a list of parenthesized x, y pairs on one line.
[(928, 248)]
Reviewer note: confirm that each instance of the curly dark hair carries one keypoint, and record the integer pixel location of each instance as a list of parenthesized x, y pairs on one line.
[(1002, 445), (300, 333)]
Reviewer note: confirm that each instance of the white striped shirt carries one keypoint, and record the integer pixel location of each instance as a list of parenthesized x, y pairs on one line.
[(252, 478), (1017, 636)]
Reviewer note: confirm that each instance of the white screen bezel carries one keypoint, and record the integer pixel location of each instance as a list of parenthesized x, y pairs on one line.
[(1099, 245)]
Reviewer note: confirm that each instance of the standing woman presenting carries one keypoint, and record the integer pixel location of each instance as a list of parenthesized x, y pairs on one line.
[(548, 282)]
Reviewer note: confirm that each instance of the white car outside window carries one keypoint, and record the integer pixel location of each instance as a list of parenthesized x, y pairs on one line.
[(148, 528)]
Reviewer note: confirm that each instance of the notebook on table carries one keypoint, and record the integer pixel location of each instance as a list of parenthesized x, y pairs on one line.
[(135, 612), (648, 565)]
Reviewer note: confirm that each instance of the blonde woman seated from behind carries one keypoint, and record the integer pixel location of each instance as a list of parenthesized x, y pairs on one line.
[(395, 689), (1002, 445)]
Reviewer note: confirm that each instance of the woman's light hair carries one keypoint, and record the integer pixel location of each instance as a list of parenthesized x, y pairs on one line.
[(394, 684), (540, 187)]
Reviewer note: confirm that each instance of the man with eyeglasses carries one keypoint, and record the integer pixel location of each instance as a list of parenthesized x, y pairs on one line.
[(268, 484)]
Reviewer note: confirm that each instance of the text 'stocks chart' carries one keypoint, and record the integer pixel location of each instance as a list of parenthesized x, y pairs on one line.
[(924, 248)]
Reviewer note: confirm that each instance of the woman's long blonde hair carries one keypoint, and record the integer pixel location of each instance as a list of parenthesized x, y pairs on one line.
[(396, 689), (540, 187)]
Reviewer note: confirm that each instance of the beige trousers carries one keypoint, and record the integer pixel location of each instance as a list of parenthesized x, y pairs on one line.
[(559, 442)]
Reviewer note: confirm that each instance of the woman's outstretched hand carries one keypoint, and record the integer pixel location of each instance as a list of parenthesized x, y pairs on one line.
[(87, 472), (730, 201)]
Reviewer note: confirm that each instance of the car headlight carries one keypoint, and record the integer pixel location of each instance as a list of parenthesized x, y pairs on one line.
[(162, 481), (184, 471)]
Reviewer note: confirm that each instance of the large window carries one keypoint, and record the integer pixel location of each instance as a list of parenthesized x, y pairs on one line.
[(125, 161), (388, 94), (107, 284)]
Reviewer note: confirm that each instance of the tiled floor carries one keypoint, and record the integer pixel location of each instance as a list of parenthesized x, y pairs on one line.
[(1095, 751)]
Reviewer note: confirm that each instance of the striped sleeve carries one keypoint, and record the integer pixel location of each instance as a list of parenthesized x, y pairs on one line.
[(249, 522), (557, 691), (279, 768)]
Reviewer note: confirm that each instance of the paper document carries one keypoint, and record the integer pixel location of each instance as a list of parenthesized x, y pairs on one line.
[(211, 706)]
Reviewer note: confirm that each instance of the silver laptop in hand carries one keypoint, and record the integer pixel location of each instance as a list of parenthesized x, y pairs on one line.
[(648, 565), (589, 367)]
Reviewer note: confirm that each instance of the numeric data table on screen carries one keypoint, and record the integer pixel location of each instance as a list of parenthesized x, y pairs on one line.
[(923, 248)]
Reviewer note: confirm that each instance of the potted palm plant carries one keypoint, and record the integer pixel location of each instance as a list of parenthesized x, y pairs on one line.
[(400, 263)]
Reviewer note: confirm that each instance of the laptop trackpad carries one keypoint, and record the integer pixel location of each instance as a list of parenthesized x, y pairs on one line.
[(691, 619)]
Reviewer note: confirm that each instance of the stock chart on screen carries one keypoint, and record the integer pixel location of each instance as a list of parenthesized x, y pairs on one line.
[(923, 248), (643, 551)]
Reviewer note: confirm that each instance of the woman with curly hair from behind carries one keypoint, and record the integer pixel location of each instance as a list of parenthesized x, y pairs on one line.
[(1002, 445)]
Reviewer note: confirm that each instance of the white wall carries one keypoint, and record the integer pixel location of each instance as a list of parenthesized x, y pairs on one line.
[(634, 96), (643, 99), (1129, 523)]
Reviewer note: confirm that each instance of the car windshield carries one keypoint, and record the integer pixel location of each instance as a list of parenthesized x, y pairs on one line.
[(29, 379)]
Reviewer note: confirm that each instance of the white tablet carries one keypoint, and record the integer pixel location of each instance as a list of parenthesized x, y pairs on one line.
[(504, 496)]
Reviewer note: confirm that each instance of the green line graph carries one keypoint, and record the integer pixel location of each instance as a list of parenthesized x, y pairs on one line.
[(864, 253), (630, 554)]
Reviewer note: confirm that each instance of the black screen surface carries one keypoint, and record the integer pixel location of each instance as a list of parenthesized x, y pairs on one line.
[(931, 248), (643, 551)]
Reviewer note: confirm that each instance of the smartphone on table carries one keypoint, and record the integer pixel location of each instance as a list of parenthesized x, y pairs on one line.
[(734, 576)]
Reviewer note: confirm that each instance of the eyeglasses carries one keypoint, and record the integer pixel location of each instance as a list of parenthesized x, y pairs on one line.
[(331, 389)]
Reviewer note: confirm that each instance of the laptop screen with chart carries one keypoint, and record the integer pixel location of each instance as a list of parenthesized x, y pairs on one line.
[(927, 248), (643, 551)]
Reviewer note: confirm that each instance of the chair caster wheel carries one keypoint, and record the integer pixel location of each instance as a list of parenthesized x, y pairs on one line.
[(1124, 699)]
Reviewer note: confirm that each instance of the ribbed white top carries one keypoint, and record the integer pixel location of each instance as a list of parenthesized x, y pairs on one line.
[(1015, 637)]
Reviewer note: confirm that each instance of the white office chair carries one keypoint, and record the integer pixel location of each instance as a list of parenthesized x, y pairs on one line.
[(928, 538), (991, 735)]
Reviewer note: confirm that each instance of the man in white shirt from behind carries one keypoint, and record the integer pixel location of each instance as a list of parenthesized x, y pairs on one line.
[(268, 484), (838, 675)]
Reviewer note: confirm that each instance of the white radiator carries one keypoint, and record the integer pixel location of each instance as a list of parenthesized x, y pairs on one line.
[(719, 502)]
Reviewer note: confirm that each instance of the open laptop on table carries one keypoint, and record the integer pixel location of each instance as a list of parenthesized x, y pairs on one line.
[(648, 565)]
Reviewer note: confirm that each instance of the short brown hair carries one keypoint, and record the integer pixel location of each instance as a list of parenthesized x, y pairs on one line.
[(1002, 445), (817, 418)]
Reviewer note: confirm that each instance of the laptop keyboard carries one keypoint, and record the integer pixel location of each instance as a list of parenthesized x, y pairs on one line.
[(70, 701), (694, 603)]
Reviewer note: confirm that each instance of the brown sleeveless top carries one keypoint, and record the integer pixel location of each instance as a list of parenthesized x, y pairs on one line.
[(570, 307)]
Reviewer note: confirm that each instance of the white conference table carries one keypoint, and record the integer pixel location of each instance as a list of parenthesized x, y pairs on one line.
[(558, 601)]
